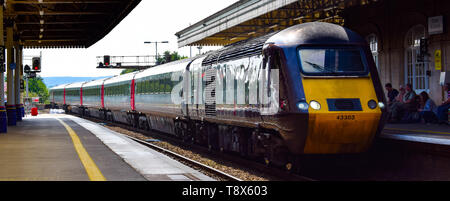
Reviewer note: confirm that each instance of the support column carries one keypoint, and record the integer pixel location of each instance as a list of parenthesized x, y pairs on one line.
[(10, 103), (17, 78), (3, 116)]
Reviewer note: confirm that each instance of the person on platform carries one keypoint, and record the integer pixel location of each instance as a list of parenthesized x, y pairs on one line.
[(405, 105), (442, 110), (428, 109), (392, 93)]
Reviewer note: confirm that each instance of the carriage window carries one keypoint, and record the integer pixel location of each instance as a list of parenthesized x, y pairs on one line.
[(332, 61)]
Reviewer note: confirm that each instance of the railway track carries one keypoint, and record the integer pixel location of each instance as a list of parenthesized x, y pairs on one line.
[(278, 174), (189, 161)]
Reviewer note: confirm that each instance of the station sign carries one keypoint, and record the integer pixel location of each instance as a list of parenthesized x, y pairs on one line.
[(436, 25), (12, 66), (438, 60)]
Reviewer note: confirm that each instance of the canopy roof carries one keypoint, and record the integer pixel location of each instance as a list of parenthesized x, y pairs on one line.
[(251, 18), (64, 23)]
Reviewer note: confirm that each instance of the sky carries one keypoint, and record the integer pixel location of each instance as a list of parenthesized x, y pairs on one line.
[(149, 21)]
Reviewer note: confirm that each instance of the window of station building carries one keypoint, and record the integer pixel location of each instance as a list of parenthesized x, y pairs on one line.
[(415, 71), (373, 44)]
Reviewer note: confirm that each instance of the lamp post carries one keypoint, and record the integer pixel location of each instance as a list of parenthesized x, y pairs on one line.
[(156, 45), (199, 49)]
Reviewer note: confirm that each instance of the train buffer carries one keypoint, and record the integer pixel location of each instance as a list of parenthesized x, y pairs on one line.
[(59, 147)]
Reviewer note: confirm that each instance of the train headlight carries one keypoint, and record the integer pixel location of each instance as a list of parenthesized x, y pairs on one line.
[(303, 106), (372, 104), (381, 105), (315, 105)]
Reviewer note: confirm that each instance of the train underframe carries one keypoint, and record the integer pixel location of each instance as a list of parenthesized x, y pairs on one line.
[(258, 143)]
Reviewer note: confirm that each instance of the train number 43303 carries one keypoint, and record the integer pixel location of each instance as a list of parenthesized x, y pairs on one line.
[(346, 117)]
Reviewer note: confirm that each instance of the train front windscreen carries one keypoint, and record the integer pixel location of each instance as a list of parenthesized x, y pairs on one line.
[(332, 61)]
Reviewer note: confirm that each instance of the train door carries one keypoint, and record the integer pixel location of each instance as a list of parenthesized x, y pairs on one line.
[(269, 88)]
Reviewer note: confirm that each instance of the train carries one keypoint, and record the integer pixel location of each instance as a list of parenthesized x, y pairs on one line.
[(310, 89)]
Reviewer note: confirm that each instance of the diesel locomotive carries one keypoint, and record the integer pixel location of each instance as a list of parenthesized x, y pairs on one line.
[(312, 88)]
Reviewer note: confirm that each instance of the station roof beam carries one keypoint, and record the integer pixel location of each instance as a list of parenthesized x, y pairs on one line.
[(65, 23), (252, 18)]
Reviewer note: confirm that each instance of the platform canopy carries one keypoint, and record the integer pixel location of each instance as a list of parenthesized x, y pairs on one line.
[(64, 23), (251, 18)]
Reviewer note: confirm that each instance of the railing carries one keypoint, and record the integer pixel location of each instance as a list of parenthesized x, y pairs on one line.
[(127, 62)]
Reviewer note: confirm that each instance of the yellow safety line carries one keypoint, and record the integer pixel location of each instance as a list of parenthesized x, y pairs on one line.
[(418, 131), (89, 165)]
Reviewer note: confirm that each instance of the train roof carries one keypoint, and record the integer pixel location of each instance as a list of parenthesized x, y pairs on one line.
[(61, 86), (179, 65), (95, 82), (120, 78), (315, 33), (75, 85)]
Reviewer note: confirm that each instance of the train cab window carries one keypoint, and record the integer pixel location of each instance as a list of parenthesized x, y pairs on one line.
[(332, 61)]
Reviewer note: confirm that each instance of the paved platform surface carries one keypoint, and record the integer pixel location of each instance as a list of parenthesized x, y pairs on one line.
[(43, 148), (418, 132)]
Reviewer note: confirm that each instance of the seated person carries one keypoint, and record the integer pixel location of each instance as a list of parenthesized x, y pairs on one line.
[(427, 108), (392, 93), (405, 105), (442, 110)]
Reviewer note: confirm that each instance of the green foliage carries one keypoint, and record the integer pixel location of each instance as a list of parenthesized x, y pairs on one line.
[(169, 57), (37, 86), (128, 71)]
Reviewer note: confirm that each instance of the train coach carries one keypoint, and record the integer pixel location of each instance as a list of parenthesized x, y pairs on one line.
[(309, 89)]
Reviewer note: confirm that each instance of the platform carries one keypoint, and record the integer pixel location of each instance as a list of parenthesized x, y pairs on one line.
[(418, 132), (58, 147)]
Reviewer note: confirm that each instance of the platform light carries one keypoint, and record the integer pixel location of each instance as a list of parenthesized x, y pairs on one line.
[(41, 12), (41, 30), (299, 18), (41, 21)]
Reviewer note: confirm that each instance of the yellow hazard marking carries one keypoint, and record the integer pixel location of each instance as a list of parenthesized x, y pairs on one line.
[(418, 131), (89, 165)]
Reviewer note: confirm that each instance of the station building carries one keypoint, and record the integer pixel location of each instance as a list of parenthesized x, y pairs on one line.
[(393, 29)]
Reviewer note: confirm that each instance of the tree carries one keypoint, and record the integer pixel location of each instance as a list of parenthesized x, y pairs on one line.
[(36, 85), (128, 71), (169, 57)]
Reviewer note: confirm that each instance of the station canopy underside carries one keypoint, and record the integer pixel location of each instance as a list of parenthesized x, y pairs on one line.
[(252, 18), (64, 23)]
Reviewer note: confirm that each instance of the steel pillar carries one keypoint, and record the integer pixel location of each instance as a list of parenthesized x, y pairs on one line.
[(17, 77), (3, 115), (10, 103)]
